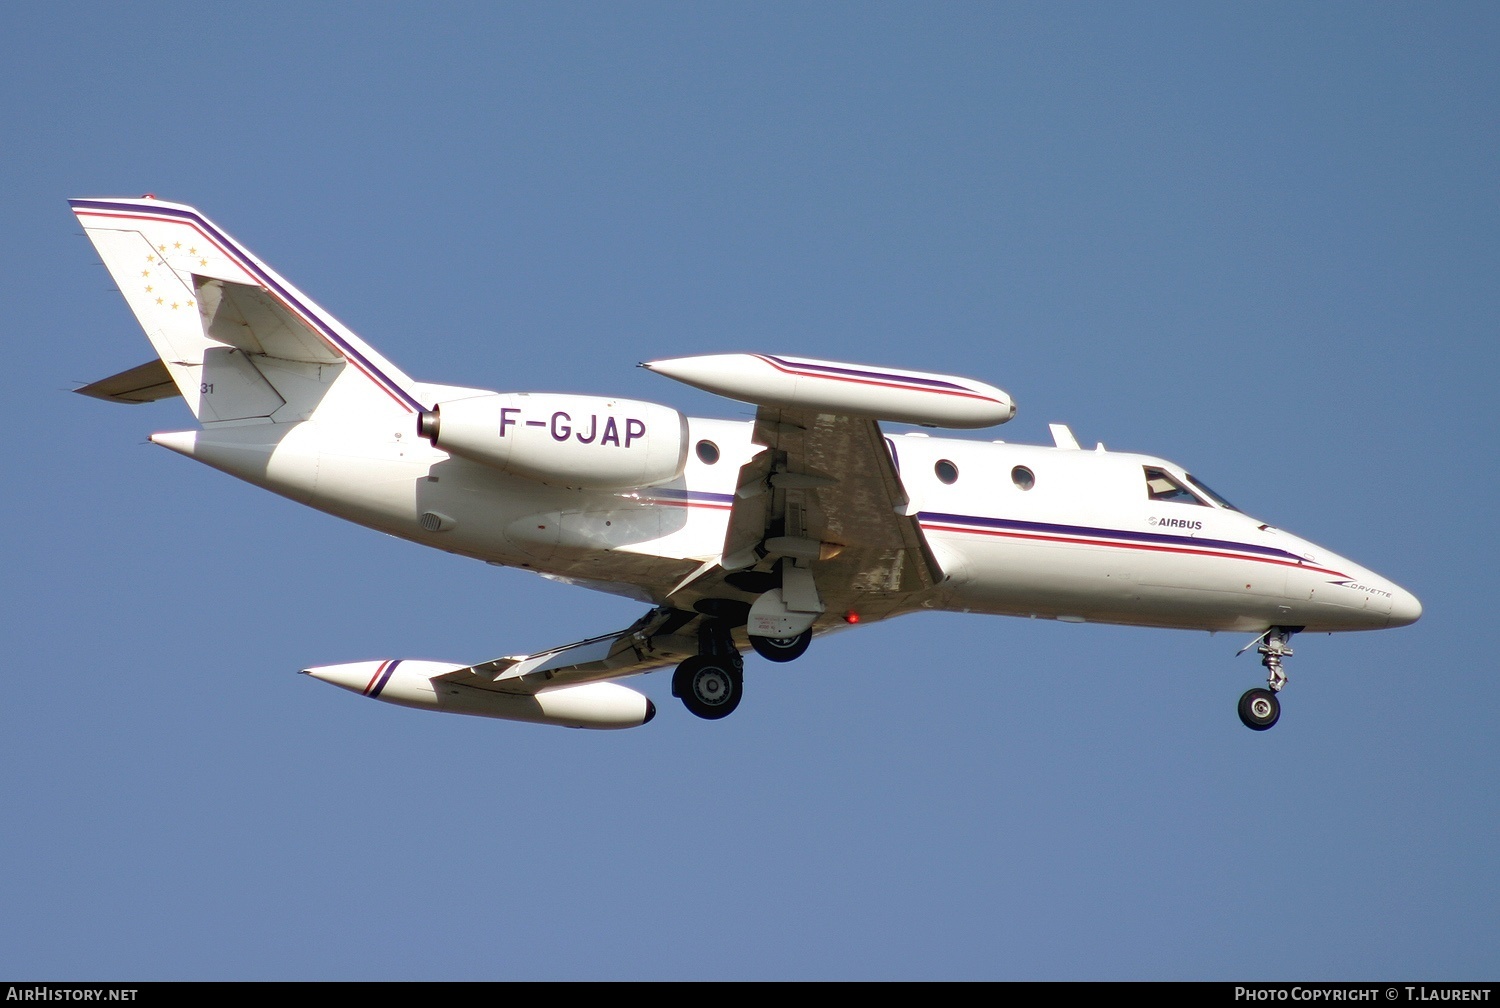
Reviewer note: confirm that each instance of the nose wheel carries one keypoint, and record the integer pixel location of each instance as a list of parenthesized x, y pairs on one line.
[(1261, 708)]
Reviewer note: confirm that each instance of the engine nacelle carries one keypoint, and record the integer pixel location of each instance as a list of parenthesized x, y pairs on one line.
[(571, 440)]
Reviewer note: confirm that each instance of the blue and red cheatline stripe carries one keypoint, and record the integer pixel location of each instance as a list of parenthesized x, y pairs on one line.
[(1084, 535), (884, 379), (673, 497), (381, 677)]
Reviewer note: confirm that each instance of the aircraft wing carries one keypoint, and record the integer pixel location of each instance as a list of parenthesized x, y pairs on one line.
[(831, 479), (651, 642), (821, 523), (824, 479)]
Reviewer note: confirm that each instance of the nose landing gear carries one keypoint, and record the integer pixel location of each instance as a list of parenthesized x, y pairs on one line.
[(1261, 708)]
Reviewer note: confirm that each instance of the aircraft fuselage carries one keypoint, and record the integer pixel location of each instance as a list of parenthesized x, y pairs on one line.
[(1018, 530)]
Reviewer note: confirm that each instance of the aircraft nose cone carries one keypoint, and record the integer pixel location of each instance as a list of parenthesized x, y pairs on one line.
[(1405, 608)]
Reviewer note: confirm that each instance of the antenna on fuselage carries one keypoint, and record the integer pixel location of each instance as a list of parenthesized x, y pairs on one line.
[(1063, 437)]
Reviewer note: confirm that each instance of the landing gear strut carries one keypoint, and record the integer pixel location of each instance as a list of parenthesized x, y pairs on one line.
[(1261, 708), (712, 682)]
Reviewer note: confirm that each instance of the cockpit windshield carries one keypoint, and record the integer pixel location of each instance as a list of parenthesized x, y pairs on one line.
[(1163, 486), (1206, 489)]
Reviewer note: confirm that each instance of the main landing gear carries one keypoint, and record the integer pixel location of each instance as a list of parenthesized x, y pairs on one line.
[(782, 649), (1261, 708), (711, 683)]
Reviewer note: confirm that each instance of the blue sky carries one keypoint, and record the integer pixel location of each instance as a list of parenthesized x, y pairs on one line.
[(1260, 240)]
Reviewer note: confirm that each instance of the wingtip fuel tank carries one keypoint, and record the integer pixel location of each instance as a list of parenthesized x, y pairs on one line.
[(916, 397), (419, 684)]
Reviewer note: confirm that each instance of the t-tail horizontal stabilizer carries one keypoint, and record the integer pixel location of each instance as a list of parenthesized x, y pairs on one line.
[(147, 383)]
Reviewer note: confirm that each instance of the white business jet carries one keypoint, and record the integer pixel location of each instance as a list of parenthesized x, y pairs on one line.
[(737, 535)]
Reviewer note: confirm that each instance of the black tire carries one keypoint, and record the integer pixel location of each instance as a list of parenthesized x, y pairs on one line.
[(709, 687), (782, 649), (1259, 709)]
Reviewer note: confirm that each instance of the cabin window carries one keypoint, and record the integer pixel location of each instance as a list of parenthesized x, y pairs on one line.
[(708, 452), (1023, 477), (1163, 486), (946, 471)]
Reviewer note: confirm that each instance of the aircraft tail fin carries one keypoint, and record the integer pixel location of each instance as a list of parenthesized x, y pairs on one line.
[(239, 343)]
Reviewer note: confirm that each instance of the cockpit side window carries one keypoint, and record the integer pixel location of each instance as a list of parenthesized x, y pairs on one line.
[(1163, 486)]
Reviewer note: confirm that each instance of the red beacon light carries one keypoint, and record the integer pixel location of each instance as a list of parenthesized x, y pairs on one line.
[(851, 617)]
